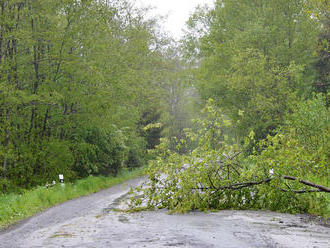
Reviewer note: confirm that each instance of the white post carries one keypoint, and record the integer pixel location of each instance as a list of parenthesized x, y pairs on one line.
[(61, 177)]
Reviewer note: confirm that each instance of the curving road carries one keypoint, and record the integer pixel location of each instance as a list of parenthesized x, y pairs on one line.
[(93, 222)]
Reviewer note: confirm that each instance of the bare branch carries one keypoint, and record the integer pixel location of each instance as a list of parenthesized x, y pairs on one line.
[(300, 191), (239, 186), (314, 185)]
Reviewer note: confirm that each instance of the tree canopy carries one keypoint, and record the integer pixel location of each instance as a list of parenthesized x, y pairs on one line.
[(76, 78)]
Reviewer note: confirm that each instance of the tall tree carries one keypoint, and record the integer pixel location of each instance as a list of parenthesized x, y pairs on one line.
[(75, 79), (254, 58)]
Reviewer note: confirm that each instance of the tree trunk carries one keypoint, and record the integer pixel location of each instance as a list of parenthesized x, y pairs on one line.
[(6, 144)]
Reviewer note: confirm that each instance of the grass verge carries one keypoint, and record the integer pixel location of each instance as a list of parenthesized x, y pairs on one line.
[(16, 207)]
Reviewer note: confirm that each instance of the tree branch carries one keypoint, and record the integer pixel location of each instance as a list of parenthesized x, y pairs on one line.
[(300, 191), (238, 186), (314, 185)]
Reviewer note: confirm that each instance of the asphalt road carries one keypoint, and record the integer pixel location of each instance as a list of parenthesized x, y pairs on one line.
[(93, 221)]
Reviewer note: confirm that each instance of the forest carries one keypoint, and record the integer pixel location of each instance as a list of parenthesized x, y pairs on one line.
[(236, 114), (79, 81)]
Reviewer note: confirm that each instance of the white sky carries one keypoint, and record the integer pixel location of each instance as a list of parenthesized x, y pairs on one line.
[(178, 12)]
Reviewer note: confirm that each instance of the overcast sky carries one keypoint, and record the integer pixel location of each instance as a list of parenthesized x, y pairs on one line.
[(178, 12)]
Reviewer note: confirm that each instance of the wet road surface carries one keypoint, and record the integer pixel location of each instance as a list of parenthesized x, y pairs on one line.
[(94, 221)]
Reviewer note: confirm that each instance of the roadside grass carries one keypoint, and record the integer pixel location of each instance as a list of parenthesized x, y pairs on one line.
[(16, 207)]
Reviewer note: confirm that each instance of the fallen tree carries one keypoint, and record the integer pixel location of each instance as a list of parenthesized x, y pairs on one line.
[(208, 184), (218, 175)]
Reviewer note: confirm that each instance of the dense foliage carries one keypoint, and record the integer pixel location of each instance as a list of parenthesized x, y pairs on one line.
[(76, 79), (258, 57), (263, 142)]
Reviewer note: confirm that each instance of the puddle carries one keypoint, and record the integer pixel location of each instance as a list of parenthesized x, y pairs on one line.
[(118, 205), (123, 219)]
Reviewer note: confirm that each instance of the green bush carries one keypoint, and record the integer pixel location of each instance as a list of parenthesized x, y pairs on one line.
[(310, 123), (38, 163), (137, 155), (100, 151)]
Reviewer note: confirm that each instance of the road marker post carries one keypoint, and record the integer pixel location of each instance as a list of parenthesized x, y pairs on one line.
[(61, 177)]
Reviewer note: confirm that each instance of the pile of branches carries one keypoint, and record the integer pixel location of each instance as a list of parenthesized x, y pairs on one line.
[(218, 181)]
